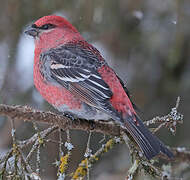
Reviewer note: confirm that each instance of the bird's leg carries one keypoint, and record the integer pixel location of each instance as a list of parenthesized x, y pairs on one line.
[(92, 124)]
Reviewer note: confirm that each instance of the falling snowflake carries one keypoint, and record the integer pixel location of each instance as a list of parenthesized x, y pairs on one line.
[(88, 153), (61, 177), (69, 146)]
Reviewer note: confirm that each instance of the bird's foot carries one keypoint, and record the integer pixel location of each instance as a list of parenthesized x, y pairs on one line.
[(69, 115), (92, 125)]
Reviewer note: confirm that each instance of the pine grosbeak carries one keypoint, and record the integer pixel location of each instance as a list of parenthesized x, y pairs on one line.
[(72, 75)]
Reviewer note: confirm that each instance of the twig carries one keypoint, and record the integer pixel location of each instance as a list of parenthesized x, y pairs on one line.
[(151, 169), (170, 121), (26, 166), (43, 134), (38, 160), (38, 139), (88, 154), (81, 171), (5, 160), (133, 170), (64, 160)]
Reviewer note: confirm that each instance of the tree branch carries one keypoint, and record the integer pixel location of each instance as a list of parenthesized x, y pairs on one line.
[(28, 114), (106, 127)]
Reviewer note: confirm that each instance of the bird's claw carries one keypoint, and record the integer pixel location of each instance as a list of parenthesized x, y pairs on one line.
[(69, 115), (92, 125)]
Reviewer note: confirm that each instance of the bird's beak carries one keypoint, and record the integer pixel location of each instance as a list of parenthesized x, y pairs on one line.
[(31, 31)]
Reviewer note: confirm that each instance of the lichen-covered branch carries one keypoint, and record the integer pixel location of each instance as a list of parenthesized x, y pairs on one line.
[(81, 171), (28, 114), (170, 121), (19, 158), (133, 170), (109, 128)]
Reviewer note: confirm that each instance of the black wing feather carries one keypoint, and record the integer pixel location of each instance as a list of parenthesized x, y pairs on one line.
[(75, 68)]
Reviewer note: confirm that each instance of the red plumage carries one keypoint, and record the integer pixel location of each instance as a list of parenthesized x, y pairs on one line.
[(72, 76)]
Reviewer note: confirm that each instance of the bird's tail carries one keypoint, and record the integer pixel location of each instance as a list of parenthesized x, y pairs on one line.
[(148, 143)]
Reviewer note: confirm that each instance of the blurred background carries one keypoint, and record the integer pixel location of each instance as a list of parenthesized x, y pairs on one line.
[(146, 42)]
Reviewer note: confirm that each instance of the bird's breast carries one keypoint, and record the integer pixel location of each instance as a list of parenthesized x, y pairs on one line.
[(54, 94)]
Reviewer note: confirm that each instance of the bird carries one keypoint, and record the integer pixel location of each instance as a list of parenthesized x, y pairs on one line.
[(72, 76)]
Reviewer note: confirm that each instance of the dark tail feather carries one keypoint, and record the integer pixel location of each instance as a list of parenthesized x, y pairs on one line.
[(148, 143)]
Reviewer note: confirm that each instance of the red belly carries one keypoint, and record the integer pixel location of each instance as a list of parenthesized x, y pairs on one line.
[(55, 95)]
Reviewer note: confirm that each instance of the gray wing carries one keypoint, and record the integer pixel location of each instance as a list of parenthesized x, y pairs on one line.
[(75, 68)]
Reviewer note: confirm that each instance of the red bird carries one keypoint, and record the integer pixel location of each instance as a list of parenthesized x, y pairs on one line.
[(72, 75)]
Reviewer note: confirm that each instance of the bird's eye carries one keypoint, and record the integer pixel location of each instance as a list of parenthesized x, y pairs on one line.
[(47, 26)]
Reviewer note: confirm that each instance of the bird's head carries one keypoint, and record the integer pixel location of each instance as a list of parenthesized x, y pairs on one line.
[(52, 28)]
